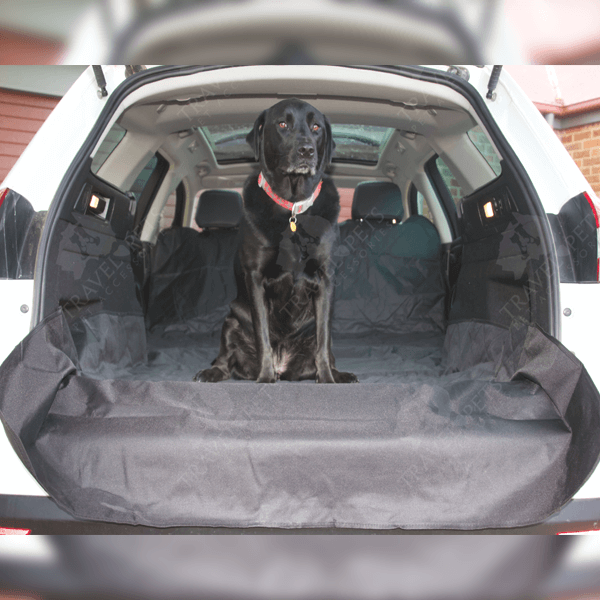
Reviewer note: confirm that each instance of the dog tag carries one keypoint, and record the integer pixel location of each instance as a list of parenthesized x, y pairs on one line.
[(293, 224)]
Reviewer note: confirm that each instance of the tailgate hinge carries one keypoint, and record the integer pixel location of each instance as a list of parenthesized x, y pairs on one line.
[(493, 82), (100, 80), (461, 72), (133, 69)]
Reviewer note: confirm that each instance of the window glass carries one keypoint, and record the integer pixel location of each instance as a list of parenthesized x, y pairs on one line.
[(453, 187), (142, 179), (354, 143), (111, 141), (423, 207), (228, 141), (359, 143), (483, 144)]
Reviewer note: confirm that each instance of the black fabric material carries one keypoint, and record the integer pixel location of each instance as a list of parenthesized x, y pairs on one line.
[(16, 219), (219, 208), (471, 426), (579, 224), (463, 439), (388, 278), (91, 266), (377, 200), (505, 277), (566, 268), (192, 276), (191, 273)]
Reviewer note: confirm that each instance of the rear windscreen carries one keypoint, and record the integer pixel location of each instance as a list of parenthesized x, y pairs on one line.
[(354, 143)]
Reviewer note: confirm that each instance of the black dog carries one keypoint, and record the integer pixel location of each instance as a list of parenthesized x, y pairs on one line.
[(280, 322)]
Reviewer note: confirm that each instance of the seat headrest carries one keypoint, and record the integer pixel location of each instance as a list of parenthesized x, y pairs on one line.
[(375, 198), (219, 208)]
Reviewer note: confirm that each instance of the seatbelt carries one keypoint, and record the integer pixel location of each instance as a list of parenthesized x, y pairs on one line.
[(452, 257), (140, 265)]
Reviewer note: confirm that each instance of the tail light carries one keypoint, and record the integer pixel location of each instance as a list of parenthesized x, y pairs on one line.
[(595, 212), (580, 532), (14, 531), (3, 193)]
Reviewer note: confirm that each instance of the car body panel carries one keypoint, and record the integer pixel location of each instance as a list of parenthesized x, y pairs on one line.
[(15, 308), (15, 295)]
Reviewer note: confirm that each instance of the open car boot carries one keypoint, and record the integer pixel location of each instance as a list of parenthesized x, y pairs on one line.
[(468, 414)]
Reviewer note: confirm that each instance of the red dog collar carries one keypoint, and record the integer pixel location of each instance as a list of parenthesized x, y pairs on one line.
[(296, 207)]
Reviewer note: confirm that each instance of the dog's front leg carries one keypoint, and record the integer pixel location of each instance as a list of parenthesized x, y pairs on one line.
[(323, 302), (260, 321)]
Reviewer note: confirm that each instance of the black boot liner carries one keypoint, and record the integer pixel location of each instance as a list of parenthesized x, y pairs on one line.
[(482, 427), (467, 425)]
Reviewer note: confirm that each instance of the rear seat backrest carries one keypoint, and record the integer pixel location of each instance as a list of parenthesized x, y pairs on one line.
[(192, 272), (389, 275)]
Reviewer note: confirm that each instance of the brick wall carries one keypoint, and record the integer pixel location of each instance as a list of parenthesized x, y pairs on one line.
[(21, 115), (346, 196), (451, 183), (583, 144)]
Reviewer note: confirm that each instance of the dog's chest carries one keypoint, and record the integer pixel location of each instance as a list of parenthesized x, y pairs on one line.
[(302, 251)]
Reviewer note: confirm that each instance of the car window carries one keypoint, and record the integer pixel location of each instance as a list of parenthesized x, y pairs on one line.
[(111, 141), (423, 207), (142, 179), (450, 180), (483, 144), (361, 144)]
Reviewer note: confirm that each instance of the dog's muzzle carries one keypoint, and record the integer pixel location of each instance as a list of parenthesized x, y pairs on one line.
[(301, 169)]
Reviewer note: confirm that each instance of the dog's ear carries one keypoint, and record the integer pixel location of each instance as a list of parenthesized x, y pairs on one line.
[(329, 143), (253, 138)]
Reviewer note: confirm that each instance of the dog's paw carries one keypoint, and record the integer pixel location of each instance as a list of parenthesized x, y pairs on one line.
[(210, 375), (326, 377), (343, 377), (267, 375)]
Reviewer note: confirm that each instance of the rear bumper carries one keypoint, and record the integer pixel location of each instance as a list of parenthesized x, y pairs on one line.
[(42, 516)]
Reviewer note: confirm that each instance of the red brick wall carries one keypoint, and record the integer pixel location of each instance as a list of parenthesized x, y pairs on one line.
[(583, 144), (346, 195), (21, 115)]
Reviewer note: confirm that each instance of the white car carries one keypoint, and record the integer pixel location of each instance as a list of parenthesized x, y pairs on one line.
[(465, 301)]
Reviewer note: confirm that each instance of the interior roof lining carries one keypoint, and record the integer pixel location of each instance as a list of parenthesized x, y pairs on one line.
[(280, 80), (172, 116), (307, 96)]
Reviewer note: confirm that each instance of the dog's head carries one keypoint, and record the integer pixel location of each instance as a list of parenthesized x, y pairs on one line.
[(292, 141)]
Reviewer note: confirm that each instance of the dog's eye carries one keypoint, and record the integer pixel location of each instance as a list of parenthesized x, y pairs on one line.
[(283, 125), (316, 127)]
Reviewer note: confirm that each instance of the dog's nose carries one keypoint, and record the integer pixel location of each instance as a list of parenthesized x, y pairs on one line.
[(306, 151)]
